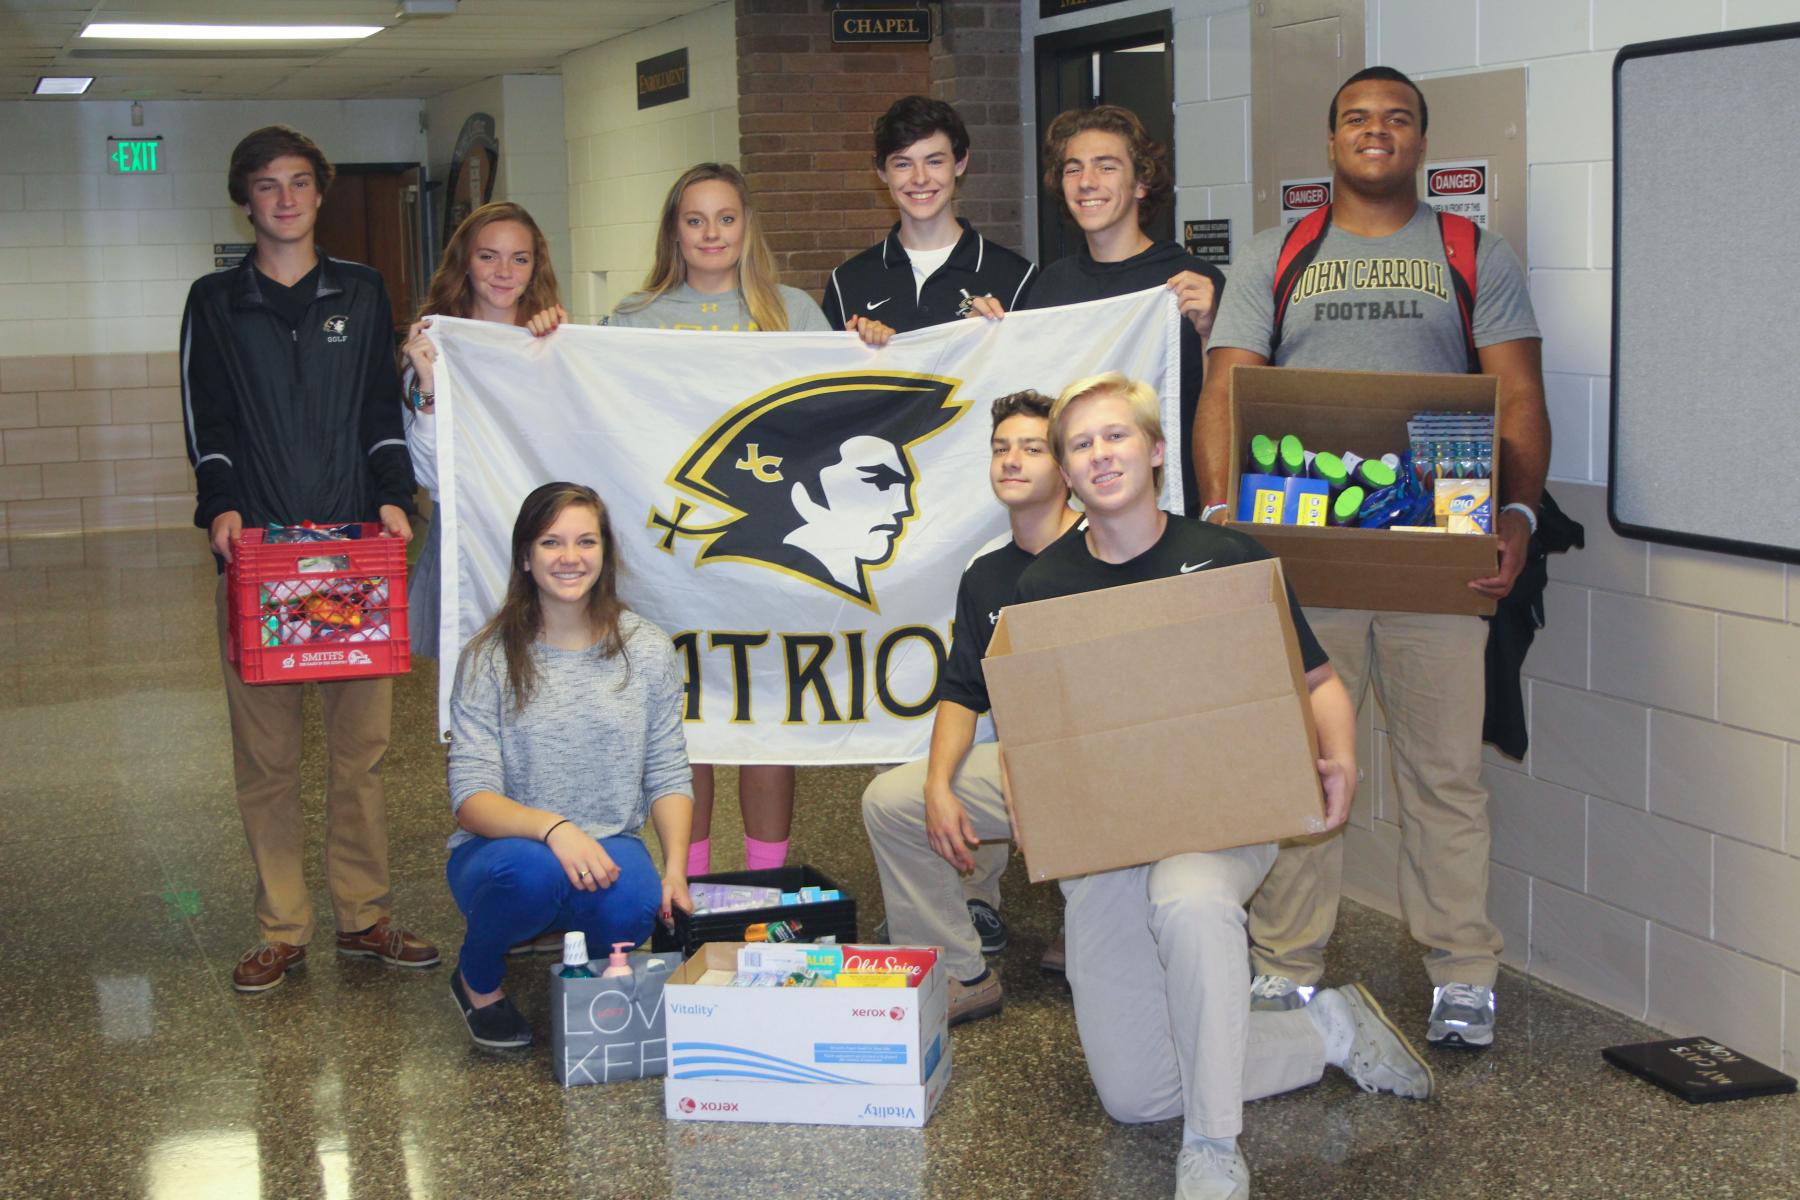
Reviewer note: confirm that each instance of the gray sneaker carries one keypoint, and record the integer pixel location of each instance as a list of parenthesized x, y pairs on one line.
[(1277, 993), (1462, 1014), (1380, 1058), (1208, 1173)]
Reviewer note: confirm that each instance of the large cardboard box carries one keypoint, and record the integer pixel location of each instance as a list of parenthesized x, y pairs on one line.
[(814, 1056), (1365, 412), (1154, 719)]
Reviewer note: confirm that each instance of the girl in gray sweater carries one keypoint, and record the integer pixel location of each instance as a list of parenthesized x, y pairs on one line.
[(714, 272), (565, 737)]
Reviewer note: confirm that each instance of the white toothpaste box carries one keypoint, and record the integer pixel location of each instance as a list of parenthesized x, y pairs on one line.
[(818, 1056)]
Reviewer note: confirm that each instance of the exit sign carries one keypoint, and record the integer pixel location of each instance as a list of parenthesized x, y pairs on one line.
[(134, 156)]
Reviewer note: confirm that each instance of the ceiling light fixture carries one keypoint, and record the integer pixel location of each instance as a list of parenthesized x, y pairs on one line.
[(63, 85), (229, 33)]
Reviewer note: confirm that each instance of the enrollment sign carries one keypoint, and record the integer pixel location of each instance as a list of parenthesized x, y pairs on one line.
[(663, 79), (794, 509)]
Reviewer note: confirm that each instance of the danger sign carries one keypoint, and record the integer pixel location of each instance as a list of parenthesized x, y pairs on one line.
[(1460, 188)]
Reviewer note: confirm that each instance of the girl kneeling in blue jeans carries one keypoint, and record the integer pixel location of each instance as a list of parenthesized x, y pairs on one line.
[(565, 736)]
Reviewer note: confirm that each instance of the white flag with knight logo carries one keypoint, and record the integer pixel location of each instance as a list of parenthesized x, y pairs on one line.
[(793, 509)]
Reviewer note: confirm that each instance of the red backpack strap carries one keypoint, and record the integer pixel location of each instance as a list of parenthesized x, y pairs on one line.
[(1298, 249), (1462, 238)]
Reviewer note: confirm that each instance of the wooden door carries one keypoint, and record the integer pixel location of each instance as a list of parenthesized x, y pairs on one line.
[(371, 215)]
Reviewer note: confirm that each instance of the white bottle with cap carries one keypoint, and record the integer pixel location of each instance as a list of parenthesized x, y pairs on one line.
[(575, 956)]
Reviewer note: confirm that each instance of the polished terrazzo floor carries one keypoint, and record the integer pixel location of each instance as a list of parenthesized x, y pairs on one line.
[(128, 1066)]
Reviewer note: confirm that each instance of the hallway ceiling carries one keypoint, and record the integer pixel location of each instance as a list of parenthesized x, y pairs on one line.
[(410, 57)]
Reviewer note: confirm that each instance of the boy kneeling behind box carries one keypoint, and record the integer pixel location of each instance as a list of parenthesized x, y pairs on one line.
[(1156, 953)]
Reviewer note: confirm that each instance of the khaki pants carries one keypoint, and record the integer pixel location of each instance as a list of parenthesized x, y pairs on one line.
[(1157, 968), (1429, 671), (266, 725), (925, 898)]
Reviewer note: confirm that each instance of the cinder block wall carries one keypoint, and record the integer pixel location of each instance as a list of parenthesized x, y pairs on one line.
[(1647, 851), (622, 159), (91, 442)]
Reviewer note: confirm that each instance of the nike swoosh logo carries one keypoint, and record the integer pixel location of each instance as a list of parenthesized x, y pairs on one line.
[(1187, 570), (875, 304)]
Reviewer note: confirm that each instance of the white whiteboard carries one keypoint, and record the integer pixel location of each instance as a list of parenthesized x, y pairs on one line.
[(1706, 292)]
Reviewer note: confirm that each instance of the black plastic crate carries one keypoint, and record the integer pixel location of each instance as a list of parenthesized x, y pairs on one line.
[(827, 918)]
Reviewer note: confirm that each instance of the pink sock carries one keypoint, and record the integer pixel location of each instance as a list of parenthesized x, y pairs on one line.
[(760, 856), (699, 857)]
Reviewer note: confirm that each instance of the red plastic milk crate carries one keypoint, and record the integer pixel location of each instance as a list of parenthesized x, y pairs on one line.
[(318, 610)]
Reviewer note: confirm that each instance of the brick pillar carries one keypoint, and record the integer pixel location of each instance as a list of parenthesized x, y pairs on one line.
[(806, 111), (975, 66)]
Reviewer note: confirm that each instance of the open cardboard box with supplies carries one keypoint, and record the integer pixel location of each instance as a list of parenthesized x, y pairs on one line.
[(1154, 719), (815, 1056), (1365, 412)]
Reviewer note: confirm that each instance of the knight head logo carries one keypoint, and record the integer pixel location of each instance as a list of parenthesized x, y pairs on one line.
[(337, 324), (814, 478)]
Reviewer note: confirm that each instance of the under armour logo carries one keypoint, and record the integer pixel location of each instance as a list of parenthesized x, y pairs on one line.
[(994, 618)]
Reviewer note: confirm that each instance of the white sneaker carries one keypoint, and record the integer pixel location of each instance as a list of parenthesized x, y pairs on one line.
[(1277, 993), (1376, 1055), (1208, 1173)]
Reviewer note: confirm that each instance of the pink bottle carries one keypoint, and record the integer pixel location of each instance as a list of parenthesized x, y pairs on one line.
[(616, 963)]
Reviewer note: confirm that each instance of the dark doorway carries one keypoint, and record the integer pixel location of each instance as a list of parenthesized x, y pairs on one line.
[(1129, 62), (372, 215)]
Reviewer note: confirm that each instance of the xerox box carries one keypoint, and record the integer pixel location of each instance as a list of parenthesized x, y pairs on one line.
[(816, 1056)]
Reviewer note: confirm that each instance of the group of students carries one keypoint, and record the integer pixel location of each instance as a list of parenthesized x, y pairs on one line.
[(566, 710)]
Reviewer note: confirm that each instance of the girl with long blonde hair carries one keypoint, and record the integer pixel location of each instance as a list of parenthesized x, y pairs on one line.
[(714, 271)]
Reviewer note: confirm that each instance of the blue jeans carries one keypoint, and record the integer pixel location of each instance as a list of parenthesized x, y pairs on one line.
[(511, 889)]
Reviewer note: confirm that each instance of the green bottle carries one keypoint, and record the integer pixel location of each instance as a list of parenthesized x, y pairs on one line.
[(1292, 458), (1346, 504), (1330, 468), (1372, 473), (1262, 454)]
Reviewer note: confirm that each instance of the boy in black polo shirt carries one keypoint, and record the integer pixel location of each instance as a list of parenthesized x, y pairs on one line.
[(1156, 953), (932, 266)]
